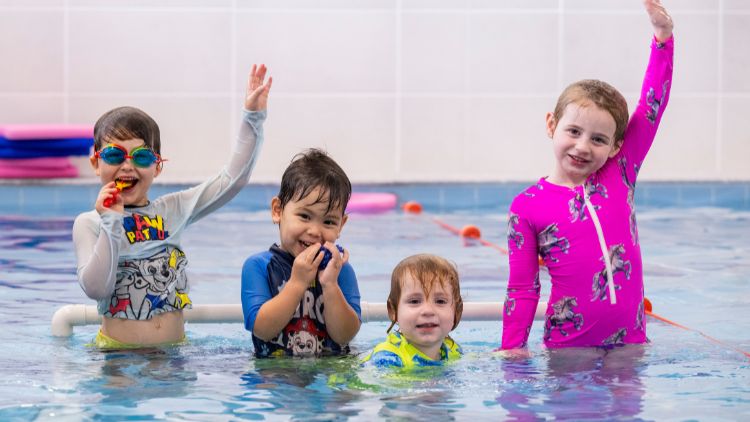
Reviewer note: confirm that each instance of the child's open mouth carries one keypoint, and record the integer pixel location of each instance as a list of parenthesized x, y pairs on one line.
[(427, 325)]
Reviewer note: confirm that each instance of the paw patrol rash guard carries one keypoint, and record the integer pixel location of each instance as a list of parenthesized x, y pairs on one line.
[(578, 231), (132, 263), (263, 277)]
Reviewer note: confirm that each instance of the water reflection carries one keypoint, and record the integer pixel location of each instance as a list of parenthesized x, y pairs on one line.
[(129, 377), (300, 388), (577, 384)]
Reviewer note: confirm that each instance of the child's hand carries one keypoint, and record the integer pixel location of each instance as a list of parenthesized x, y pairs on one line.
[(256, 97), (330, 275), (660, 19), (305, 266), (513, 354), (108, 191)]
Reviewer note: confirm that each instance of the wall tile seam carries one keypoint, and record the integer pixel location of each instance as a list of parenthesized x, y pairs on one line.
[(358, 95), (241, 9)]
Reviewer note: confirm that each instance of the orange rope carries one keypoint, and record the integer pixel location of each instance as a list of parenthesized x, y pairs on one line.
[(719, 342), (481, 241)]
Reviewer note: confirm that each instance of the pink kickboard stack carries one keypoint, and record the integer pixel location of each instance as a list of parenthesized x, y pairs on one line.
[(41, 166)]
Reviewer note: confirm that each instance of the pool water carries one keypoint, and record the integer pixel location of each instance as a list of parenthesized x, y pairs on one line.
[(696, 245)]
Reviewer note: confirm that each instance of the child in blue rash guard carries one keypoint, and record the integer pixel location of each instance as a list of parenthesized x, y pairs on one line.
[(128, 250), (291, 305), (425, 301)]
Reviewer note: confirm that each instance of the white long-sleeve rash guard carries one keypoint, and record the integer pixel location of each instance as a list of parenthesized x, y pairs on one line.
[(132, 263)]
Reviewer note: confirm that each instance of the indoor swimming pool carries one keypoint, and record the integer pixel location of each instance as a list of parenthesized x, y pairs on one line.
[(695, 240)]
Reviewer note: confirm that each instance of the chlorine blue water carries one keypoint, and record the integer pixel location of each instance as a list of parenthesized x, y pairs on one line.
[(696, 247)]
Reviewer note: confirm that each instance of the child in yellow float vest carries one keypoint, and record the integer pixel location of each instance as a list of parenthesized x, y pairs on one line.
[(425, 301)]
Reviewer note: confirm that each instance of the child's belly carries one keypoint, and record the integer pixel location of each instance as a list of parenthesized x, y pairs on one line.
[(167, 327)]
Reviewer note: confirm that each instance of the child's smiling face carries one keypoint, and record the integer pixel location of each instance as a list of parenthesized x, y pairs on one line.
[(306, 221), (425, 319), (583, 140), (139, 178)]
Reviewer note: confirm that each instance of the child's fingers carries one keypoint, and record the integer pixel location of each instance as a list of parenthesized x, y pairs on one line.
[(317, 255), (346, 256), (261, 75), (251, 80), (308, 255)]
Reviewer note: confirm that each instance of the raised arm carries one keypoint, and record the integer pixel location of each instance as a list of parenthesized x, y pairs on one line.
[(214, 193), (657, 84)]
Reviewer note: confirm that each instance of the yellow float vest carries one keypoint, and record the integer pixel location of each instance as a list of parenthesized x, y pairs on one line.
[(396, 351)]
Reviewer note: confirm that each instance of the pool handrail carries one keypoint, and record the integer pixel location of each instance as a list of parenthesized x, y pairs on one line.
[(69, 316)]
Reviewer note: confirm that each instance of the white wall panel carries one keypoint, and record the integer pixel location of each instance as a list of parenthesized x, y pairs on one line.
[(395, 90)]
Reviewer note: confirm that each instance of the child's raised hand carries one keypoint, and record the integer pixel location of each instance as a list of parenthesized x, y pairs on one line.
[(256, 97), (107, 192), (305, 266), (330, 275), (660, 19)]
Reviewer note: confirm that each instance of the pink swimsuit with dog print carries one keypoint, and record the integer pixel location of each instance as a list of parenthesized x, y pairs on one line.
[(559, 224)]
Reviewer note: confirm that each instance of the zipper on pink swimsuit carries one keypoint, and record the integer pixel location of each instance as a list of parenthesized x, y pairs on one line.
[(603, 245)]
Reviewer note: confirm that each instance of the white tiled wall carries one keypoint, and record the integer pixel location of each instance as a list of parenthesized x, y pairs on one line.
[(395, 90)]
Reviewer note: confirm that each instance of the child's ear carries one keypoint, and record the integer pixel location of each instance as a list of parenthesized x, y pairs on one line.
[(616, 149), (276, 210), (392, 315), (343, 221), (157, 171), (551, 124), (94, 161)]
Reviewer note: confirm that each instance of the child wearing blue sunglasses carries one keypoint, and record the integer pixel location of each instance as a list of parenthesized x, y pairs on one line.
[(128, 250)]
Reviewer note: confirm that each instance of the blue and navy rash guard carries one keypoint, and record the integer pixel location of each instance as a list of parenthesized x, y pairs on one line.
[(263, 276)]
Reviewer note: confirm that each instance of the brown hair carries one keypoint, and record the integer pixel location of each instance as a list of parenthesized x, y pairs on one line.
[(123, 123), (427, 269), (600, 94), (314, 168)]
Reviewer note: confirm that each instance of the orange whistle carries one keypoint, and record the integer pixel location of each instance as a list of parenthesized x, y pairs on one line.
[(111, 200)]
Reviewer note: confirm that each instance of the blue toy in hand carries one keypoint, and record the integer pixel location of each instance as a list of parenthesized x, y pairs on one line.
[(327, 256)]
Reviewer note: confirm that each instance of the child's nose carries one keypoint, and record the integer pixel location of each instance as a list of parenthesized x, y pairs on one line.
[(314, 230), (428, 309), (128, 163)]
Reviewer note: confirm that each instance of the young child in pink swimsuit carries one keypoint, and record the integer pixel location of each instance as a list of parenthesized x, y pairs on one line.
[(581, 218)]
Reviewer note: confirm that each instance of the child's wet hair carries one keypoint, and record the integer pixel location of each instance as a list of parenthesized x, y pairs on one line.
[(123, 123), (314, 169), (600, 94), (428, 270)]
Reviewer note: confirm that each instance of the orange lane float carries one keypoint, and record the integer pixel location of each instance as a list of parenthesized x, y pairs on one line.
[(412, 207)]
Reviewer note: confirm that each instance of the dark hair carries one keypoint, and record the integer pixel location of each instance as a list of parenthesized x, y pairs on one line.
[(427, 270), (602, 95), (123, 123), (312, 169)]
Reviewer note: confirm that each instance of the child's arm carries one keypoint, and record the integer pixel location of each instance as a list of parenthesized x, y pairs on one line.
[(274, 313), (211, 195), (342, 320), (97, 251), (657, 84), (97, 245), (523, 289)]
